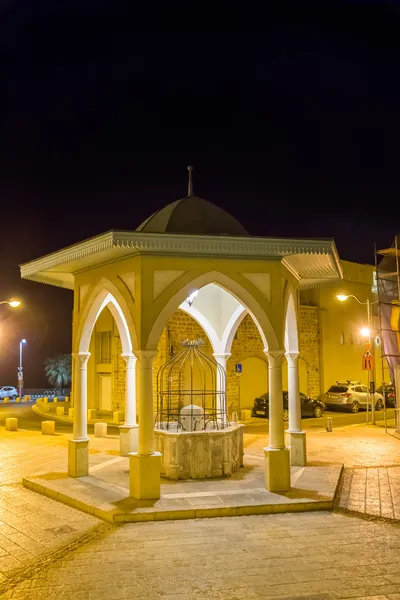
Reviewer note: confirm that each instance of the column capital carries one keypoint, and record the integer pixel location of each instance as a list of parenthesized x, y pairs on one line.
[(146, 354), (225, 355), (83, 358), (293, 356), (274, 356), (130, 359)]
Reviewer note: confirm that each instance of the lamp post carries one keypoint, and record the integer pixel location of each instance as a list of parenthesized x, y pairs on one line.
[(20, 371), (366, 332)]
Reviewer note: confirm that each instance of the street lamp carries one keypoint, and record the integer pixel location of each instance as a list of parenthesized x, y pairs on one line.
[(13, 303), (20, 372), (366, 332)]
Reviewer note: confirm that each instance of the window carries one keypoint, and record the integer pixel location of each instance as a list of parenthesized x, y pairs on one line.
[(105, 347)]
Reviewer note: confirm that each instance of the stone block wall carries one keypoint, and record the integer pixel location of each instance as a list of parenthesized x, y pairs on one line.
[(119, 371), (309, 340), (246, 344)]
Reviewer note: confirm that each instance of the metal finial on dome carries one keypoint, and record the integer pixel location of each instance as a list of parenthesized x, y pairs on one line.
[(190, 182)]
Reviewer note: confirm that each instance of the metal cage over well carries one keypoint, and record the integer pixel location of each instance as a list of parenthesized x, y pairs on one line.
[(191, 391)]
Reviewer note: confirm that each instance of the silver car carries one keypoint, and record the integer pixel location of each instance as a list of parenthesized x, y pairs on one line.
[(8, 392), (351, 395)]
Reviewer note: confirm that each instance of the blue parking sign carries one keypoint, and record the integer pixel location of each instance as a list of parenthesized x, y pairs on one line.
[(238, 367)]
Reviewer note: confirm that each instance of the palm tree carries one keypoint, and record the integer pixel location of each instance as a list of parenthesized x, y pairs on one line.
[(58, 370)]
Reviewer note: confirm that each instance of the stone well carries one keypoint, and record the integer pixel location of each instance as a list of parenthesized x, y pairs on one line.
[(200, 454)]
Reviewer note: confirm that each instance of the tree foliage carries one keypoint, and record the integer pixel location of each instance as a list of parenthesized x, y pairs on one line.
[(58, 370)]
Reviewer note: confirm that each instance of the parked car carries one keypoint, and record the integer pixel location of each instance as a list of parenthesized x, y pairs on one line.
[(8, 392), (351, 395), (389, 393), (309, 408)]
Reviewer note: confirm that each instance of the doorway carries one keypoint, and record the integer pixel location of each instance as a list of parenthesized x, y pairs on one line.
[(105, 396)]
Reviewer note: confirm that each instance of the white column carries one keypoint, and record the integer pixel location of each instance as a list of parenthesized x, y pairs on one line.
[(277, 459), (128, 432), (221, 384), (298, 450), (294, 392), (276, 423), (144, 467), (78, 450)]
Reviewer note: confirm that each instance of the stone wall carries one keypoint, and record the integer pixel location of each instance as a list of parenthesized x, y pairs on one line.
[(309, 339), (119, 370), (246, 344)]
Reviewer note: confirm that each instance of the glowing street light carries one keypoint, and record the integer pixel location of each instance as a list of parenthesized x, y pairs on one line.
[(20, 372), (366, 332), (13, 303)]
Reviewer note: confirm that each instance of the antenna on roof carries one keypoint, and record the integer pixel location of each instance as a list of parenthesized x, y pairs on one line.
[(190, 181)]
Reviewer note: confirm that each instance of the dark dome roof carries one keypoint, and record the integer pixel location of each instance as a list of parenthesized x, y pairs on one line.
[(192, 215)]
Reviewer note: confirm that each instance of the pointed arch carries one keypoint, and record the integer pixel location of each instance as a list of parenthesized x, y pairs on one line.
[(107, 294), (204, 324), (243, 296), (291, 322), (232, 327)]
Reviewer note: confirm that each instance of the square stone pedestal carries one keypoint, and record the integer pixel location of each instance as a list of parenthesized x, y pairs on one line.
[(78, 458), (277, 469), (144, 476), (128, 439), (298, 448)]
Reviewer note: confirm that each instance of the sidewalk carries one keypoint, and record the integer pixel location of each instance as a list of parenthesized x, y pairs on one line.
[(33, 528)]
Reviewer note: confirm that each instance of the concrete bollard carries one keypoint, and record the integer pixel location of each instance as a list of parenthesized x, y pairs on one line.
[(118, 416), (60, 411), (92, 414), (234, 417), (71, 413), (6, 400), (245, 415), (66, 398), (48, 427), (55, 400), (17, 399), (11, 424), (45, 400), (329, 423), (100, 430)]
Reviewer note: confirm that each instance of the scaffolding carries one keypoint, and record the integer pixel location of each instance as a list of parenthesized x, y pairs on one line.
[(388, 296)]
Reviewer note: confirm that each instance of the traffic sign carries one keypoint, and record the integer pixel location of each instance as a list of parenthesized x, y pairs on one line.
[(367, 360)]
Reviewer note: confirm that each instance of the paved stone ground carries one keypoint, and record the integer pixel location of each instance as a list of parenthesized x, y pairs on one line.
[(48, 550), (33, 527), (318, 556)]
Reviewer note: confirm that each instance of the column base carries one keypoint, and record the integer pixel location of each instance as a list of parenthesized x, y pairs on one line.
[(277, 469), (298, 448), (144, 476), (128, 439), (78, 458)]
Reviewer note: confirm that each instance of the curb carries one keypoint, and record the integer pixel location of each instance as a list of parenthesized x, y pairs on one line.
[(52, 417), (114, 516)]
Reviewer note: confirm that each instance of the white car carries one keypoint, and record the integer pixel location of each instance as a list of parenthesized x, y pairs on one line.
[(8, 392), (351, 395)]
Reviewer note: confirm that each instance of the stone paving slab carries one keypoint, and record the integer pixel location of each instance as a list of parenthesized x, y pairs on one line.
[(105, 494), (373, 491), (308, 556)]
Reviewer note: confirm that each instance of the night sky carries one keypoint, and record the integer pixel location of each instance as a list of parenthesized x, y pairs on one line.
[(293, 128)]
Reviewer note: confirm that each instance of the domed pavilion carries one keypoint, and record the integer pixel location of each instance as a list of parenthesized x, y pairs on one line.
[(193, 256)]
